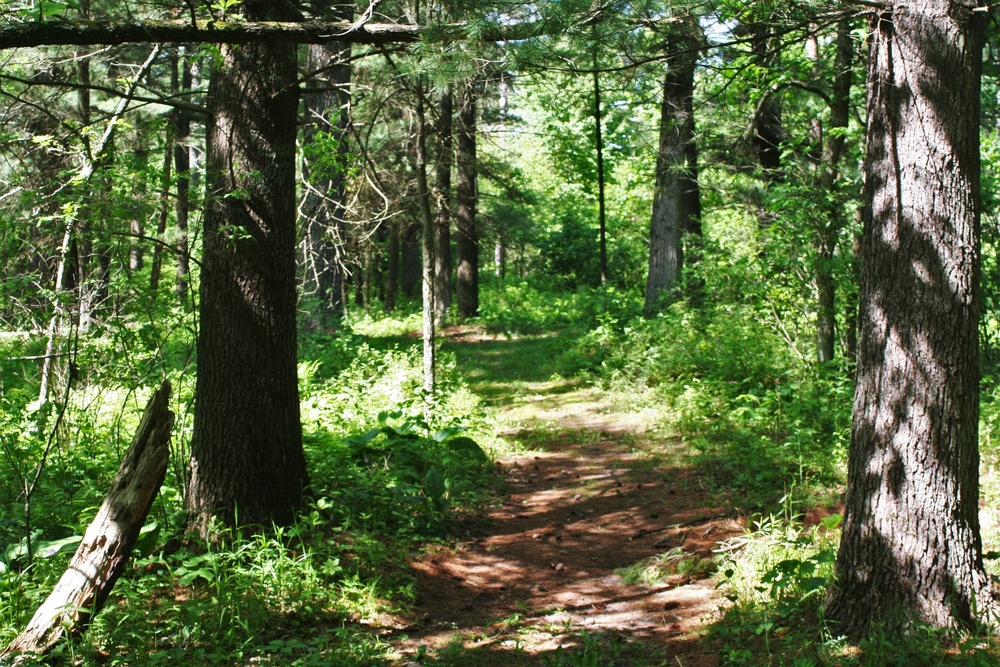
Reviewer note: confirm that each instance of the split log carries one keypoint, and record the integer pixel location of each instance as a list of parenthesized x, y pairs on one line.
[(107, 544)]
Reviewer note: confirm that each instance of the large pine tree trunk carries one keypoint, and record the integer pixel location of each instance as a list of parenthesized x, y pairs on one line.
[(466, 235), (673, 207), (247, 463), (911, 548)]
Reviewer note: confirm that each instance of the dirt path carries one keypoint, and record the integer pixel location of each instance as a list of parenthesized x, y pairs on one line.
[(595, 502)]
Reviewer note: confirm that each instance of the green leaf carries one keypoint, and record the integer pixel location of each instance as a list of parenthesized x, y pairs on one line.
[(468, 447), (19, 550), (434, 483), (811, 584), (47, 9), (54, 547), (146, 542), (446, 433), (192, 576)]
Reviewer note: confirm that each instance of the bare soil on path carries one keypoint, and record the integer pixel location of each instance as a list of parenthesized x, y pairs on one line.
[(594, 495)]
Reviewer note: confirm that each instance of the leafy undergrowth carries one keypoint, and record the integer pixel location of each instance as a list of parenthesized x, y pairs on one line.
[(763, 424), (389, 475), (768, 433), (776, 578)]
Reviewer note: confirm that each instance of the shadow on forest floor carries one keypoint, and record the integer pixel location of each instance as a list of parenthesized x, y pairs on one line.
[(595, 504)]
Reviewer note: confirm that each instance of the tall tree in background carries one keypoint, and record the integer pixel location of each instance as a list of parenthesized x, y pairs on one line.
[(768, 130), (911, 548), (247, 463), (833, 218), (466, 234), (442, 218), (182, 82), (327, 114), (676, 197), (427, 238), (602, 217)]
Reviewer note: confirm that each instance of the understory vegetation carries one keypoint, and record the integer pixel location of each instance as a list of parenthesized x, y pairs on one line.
[(767, 432)]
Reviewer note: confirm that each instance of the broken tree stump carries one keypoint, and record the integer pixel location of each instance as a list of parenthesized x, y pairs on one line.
[(107, 544)]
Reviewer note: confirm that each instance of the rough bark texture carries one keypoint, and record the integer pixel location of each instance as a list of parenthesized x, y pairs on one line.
[(442, 218), (101, 557), (466, 235), (247, 463), (911, 548), (675, 180)]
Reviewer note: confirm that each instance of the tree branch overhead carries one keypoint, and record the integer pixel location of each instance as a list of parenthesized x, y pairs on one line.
[(55, 33)]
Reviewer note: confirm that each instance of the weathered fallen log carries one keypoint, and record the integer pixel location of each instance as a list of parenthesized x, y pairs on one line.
[(107, 544)]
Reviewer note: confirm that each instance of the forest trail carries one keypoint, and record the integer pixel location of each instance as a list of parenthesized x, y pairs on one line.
[(592, 495)]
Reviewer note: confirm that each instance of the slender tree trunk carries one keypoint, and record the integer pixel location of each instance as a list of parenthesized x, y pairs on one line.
[(467, 240), (851, 316), (392, 275), (911, 549), (367, 259), (136, 242), (135, 254), (247, 462), (182, 162), (156, 266), (833, 221), (826, 311), (693, 281), (86, 254), (427, 233), (442, 220), (500, 260), (601, 214), (674, 202)]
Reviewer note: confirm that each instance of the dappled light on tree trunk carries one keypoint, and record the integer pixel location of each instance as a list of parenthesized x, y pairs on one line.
[(911, 550)]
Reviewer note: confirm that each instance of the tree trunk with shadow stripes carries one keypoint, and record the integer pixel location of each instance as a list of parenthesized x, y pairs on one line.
[(911, 550)]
